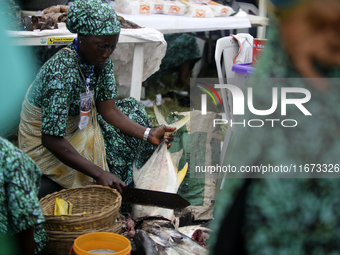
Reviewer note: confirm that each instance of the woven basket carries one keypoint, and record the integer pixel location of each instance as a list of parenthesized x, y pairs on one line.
[(100, 203), (60, 242)]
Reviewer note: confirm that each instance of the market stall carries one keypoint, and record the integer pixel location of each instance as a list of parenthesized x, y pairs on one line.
[(140, 37), (139, 51)]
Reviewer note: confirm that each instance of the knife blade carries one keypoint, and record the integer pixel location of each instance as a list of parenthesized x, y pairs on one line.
[(154, 198)]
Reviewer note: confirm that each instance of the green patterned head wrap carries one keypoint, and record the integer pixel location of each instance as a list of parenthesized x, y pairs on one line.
[(92, 17)]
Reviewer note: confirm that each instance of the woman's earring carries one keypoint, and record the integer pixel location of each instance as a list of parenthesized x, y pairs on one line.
[(79, 41)]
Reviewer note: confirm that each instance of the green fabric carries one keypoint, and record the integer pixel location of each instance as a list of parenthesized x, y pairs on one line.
[(287, 216), (58, 85), (92, 17), (19, 176), (123, 150), (193, 187), (284, 3), (19, 186), (181, 47)]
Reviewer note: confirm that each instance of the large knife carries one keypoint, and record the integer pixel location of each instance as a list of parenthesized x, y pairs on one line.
[(154, 198)]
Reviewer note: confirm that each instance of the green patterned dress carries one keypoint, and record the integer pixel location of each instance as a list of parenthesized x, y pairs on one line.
[(283, 216), (181, 47), (56, 90), (20, 208)]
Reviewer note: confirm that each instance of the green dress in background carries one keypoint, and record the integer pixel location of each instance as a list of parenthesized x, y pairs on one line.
[(19, 176), (181, 48), (20, 208), (283, 216)]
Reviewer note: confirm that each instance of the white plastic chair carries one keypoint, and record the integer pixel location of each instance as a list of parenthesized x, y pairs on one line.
[(225, 52)]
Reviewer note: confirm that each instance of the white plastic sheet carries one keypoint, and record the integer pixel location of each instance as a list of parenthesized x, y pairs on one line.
[(154, 51)]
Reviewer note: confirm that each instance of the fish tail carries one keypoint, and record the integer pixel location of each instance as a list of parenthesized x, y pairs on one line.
[(181, 174), (161, 120)]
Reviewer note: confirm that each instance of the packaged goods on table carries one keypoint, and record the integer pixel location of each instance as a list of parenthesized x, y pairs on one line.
[(219, 10), (174, 7), (158, 6), (134, 7), (190, 8), (169, 7), (198, 8), (54, 17)]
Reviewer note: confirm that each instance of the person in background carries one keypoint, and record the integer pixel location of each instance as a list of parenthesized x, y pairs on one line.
[(21, 216), (288, 215), (181, 55), (72, 147)]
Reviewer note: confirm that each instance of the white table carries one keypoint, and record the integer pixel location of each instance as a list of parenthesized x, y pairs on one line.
[(183, 24), (137, 38)]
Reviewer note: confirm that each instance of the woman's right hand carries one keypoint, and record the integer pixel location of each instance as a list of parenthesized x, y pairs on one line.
[(111, 180), (66, 153)]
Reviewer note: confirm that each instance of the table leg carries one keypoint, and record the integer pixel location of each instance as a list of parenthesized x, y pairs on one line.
[(137, 71), (261, 30)]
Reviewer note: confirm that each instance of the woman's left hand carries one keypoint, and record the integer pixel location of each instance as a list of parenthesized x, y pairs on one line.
[(157, 135)]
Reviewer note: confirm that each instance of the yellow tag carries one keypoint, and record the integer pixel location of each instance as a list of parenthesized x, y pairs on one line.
[(59, 40)]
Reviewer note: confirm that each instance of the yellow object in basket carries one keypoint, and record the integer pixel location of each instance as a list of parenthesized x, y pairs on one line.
[(62, 207)]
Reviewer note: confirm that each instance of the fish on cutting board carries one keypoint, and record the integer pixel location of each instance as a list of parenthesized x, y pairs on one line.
[(171, 241), (159, 173)]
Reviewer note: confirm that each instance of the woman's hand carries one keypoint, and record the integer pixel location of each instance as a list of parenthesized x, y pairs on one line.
[(66, 153), (110, 112), (159, 133), (111, 180)]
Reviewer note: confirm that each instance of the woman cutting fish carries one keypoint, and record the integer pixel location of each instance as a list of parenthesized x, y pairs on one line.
[(71, 145)]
